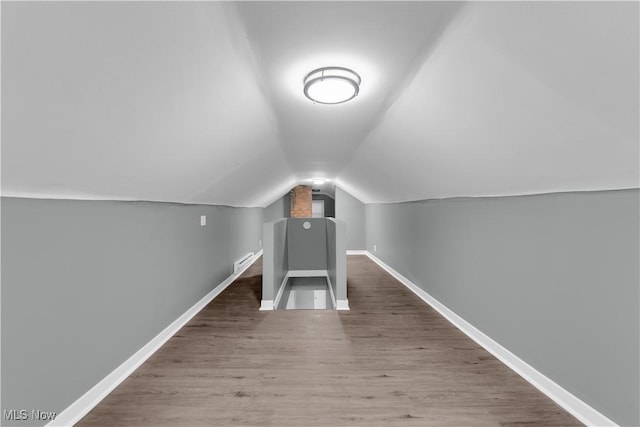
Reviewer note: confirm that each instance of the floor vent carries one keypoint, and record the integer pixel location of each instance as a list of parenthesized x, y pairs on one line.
[(242, 262)]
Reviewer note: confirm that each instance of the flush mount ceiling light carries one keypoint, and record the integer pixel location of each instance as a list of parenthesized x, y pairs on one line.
[(332, 85)]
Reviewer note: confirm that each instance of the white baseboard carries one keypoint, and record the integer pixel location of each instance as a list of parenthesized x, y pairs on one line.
[(356, 252), (342, 304), (266, 305), (81, 407), (307, 273), (576, 407)]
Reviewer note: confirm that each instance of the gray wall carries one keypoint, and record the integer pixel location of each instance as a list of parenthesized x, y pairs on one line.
[(352, 212), (281, 208), (331, 256), (275, 262), (246, 231), (329, 204), (337, 258), (554, 278), (307, 248), (85, 284)]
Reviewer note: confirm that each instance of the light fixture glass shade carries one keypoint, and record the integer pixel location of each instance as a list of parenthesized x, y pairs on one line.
[(332, 85)]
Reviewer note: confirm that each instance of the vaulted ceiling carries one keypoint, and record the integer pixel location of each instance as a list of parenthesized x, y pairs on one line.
[(202, 102)]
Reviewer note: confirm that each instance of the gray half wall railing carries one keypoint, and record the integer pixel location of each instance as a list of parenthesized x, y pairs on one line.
[(290, 250), (337, 261), (275, 260)]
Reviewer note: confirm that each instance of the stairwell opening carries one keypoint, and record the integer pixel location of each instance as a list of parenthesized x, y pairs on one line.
[(304, 264)]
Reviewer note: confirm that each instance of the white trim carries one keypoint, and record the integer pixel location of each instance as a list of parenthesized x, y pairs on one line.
[(81, 407), (244, 260), (307, 273), (576, 407), (333, 297), (356, 252), (342, 304), (266, 305), (255, 257), (276, 301)]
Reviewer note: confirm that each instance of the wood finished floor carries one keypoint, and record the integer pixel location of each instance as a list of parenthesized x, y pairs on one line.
[(390, 361)]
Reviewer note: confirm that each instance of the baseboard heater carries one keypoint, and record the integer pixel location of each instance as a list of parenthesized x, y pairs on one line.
[(242, 262)]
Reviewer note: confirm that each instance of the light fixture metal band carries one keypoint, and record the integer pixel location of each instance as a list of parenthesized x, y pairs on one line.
[(351, 77)]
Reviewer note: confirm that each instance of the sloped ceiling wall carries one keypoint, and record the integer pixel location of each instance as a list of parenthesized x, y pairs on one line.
[(152, 101), (202, 102), (516, 98)]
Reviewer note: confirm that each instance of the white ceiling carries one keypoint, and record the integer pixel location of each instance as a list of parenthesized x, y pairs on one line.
[(202, 102)]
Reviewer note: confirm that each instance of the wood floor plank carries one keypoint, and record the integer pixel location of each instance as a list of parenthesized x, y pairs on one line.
[(390, 361)]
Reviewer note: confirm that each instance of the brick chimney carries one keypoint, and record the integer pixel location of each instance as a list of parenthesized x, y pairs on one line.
[(301, 201)]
